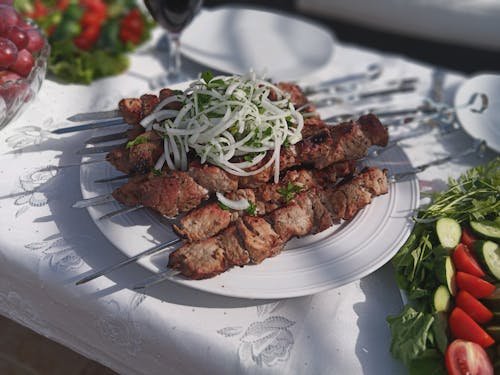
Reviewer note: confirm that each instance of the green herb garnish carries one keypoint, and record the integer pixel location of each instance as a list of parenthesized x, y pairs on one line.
[(288, 193), (252, 209), (136, 142)]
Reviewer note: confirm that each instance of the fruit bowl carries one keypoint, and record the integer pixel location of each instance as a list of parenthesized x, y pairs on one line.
[(17, 92)]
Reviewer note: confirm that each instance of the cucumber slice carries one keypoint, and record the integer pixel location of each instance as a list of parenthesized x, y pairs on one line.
[(486, 229), (445, 273), (442, 299), (488, 254), (449, 232)]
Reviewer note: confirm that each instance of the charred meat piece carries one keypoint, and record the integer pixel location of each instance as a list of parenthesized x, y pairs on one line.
[(139, 155), (213, 178), (131, 110), (148, 104), (210, 219), (169, 194), (166, 93), (261, 237)]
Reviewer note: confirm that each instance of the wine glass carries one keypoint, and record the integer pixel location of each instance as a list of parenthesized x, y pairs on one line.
[(174, 16)]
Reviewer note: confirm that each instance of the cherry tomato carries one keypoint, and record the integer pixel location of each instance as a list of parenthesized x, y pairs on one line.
[(472, 306), (88, 37), (132, 27), (23, 64), (18, 36), (476, 286), (468, 238), (465, 261), (465, 357), (8, 53), (62, 4)]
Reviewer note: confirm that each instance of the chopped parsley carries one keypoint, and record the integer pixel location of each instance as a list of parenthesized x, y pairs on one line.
[(252, 209), (288, 193), (136, 142)]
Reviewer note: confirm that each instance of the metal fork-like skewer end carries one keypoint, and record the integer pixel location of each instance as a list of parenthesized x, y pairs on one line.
[(156, 279), (92, 125), (107, 138), (100, 199), (121, 211), (97, 150), (104, 271), (64, 166), (478, 147), (111, 179)]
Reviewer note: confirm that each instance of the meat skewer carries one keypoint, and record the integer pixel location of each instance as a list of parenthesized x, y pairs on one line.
[(250, 240), (208, 220), (349, 141)]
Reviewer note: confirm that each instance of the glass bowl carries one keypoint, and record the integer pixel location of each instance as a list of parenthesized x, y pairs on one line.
[(16, 96)]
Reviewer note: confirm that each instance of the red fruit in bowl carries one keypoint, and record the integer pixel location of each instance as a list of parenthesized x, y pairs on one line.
[(23, 64), (8, 53), (8, 17), (35, 40), (17, 36), (11, 86)]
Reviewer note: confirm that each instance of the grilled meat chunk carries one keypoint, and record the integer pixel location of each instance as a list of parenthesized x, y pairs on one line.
[(131, 110), (139, 156), (210, 219), (311, 211), (213, 178)]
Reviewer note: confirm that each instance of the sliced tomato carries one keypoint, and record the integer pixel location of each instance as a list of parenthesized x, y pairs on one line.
[(476, 286), (462, 326), (465, 261), (466, 357), (468, 238), (472, 306)]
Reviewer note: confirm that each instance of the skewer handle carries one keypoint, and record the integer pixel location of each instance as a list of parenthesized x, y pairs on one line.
[(123, 263)]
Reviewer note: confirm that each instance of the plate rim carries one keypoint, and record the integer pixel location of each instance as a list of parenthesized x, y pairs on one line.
[(327, 33)]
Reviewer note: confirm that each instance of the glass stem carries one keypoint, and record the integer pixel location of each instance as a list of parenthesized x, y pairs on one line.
[(174, 63)]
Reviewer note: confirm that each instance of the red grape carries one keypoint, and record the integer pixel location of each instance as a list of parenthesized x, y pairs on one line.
[(8, 53), (12, 90), (18, 36), (7, 2), (35, 40), (8, 18), (23, 64)]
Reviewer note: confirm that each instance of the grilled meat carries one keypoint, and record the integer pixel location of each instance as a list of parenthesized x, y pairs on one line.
[(250, 239), (208, 220), (169, 194)]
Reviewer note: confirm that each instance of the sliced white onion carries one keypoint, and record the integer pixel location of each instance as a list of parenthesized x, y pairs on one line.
[(240, 204)]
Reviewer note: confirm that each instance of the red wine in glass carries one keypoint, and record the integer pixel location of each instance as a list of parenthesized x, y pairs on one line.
[(173, 16)]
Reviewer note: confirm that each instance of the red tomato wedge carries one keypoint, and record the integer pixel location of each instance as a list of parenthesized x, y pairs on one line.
[(462, 326), (468, 238), (465, 261), (472, 306), (476, 286), (465, 357)]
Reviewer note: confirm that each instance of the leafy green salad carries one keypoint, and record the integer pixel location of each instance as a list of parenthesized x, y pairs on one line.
[(421, 333)]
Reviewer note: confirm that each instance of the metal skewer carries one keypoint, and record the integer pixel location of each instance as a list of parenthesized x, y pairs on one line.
[(91, 125), (104, 271)]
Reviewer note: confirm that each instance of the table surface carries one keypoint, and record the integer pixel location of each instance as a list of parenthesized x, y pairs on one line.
[(45, 246)]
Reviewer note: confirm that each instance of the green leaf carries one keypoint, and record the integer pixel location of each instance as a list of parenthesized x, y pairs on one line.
[(207, 76), (136, 141), (429, 363), (410, 331)]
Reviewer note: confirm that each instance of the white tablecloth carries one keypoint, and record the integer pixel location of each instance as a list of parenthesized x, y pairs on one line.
[(45, 246)]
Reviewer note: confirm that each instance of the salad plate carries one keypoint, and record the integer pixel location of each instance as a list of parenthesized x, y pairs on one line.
[(337, 256), (235, 40), (481, 125)]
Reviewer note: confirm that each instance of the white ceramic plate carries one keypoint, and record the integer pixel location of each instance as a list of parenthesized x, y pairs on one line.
[(485, 125), (235, 40), (309, 265)]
